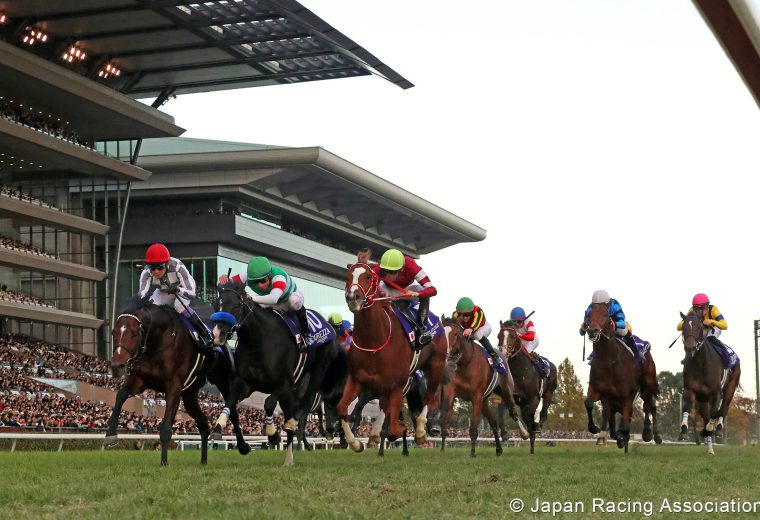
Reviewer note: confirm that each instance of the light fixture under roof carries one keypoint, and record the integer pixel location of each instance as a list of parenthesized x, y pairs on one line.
[(32, 36), (109, 70), (73, 54)]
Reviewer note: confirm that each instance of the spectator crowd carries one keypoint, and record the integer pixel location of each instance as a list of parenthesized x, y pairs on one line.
[(17, 245), (23, 114)]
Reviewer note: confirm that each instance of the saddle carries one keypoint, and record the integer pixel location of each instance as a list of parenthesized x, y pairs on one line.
[(500, 369), (727, 355), (320, 331), (408, 318), (541, 364)]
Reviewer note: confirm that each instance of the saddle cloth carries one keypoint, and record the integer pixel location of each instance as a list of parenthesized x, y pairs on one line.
[(433, 325), (320, 331), (726, 353)]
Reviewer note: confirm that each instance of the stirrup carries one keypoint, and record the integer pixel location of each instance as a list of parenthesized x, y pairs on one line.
[(424, 338)]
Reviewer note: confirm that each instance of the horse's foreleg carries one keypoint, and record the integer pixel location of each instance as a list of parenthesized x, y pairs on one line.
[(350, 392), (447, 401), (270, 403), (113, 421), (477, 406), (625, 425), (165, 433), (591, 397), (686, 406), (494, 427), (546, 402), (505, 391), (394, 400), (190, 398)]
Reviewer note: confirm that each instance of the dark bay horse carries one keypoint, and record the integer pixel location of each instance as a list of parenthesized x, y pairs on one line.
[(531, 390), (705, 381), (267, 360), (157, 351), (470, 377), (616, 379), (381, 360)]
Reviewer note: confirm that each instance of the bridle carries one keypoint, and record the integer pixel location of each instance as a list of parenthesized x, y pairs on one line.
[(594, 335), (698, 336), (369, 295), (142, 342), (245, 309), (512, 350)]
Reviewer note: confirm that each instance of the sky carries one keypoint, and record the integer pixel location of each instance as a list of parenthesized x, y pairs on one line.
[(602, 144)]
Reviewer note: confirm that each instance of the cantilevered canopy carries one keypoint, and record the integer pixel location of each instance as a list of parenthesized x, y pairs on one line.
[(736, 25), (166, 47)]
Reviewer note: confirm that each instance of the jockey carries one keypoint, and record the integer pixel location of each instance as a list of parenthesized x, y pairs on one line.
[(172, 285), (711, 315), (274, 288), (476, 327), (342, 329), (617, 315), (404, 272), (525, 330)]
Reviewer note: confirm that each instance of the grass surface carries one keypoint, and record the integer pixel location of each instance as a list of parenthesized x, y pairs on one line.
[(340, 484)]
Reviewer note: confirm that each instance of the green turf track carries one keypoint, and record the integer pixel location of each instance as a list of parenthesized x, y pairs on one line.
[(340, 484)]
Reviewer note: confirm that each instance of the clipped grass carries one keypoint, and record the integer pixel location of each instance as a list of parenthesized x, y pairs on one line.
[(340, 484)]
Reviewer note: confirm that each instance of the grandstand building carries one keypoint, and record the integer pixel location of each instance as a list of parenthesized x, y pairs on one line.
[(71, 165), (217, 204)]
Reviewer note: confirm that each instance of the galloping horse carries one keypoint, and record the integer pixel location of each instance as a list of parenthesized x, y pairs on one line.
[(704, 379), (381, 359), (530, 388), (267, 360), (470, 377), (616, 379), (157, 351)]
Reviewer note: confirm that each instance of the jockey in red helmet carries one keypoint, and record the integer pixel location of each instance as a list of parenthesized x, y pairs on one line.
[(169, 282)]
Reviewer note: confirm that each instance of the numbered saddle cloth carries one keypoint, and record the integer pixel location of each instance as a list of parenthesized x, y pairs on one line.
[(433, 325), (727, 354), (320, 331)]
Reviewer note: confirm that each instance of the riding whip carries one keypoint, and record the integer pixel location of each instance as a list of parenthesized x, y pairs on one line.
[(674, 341)]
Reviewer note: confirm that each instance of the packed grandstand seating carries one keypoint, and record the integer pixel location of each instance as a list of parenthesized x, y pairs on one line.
[(7, 191), (17, 297), (17, 245), (18, 112)]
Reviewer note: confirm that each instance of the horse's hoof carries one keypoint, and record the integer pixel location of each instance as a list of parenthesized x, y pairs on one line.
[(620, 443), (244, 449), (472, 455), (111, 441), (164, 462), (593, 429), (646, 435), (499, 451), (307, 446), (216, 433), (357, 447), (681, 436), (657, 439), (420, 440), (435, 431)]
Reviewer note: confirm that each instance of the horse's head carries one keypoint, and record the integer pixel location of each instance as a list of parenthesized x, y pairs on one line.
[(693, 333), (361, 286), (599, 322), (455, 336), (231, 309), (129, 338), (509, 342)]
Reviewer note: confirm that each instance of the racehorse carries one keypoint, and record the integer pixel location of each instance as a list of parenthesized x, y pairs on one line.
[(470, 377), (156, 350), (267, 359), (615, 379), (382, 361), (530, 387), (705, 381)]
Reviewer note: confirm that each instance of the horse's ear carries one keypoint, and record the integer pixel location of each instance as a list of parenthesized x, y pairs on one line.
[(443, 317), (501, 324), (683, 316)]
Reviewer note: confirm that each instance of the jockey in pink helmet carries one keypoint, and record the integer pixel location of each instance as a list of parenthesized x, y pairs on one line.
[(712, 317)]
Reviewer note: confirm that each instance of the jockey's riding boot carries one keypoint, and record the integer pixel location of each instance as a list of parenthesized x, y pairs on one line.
[(423, 337), (303, 324), (632, 344), (497, 362)]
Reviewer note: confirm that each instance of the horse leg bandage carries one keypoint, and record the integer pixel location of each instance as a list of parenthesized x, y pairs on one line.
[(222, 421), (685, 419)]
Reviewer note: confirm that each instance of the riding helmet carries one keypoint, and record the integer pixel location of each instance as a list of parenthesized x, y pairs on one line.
[(259, 268), (392, 260), (700, 299), (156, 254), (518, 313), (465, 305), (600, 296)]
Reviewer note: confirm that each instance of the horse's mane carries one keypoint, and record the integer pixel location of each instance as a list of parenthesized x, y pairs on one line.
[(134, 304)]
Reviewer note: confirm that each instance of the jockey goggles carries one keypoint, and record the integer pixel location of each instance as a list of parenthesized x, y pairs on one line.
[(156, 267)]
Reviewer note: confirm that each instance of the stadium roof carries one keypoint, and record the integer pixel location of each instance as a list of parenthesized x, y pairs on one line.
[(736, 25), (310, 182), (168, 47)]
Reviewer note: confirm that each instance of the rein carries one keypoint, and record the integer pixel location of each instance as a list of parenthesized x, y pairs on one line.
[(143, 333), (370, 294), (383, 345)]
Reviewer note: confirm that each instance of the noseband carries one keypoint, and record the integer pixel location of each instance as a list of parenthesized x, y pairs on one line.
[(695, 335), (245, 309)]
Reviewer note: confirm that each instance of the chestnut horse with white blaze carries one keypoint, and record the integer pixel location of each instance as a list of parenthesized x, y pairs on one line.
[(381, 358)]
